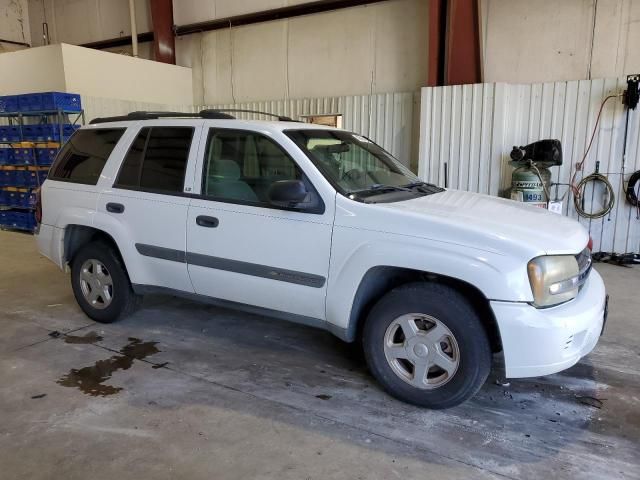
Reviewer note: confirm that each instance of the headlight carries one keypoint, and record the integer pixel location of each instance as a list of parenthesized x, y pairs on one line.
[(554, 279)]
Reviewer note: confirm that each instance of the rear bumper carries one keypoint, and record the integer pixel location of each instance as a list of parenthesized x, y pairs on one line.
[(544, 341), (50, 242)]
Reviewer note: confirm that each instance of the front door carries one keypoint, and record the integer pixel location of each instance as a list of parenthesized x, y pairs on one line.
[(243, 249)]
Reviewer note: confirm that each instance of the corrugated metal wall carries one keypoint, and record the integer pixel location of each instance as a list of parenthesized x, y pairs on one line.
[(472, 129), (387, 119)]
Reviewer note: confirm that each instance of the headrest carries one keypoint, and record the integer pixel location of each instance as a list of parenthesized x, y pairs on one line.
[(226, 169)]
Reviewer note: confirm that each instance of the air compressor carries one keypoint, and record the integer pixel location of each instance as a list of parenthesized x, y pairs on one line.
[(531, 179)]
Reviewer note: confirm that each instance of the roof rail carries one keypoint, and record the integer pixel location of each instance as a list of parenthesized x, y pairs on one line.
[(281, 118), (210, 114), (132, 116)]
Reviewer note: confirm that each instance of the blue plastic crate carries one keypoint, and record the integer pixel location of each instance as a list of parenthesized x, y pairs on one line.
[(17, 199), (8, 219), (18, 220), (48, 132), (24, 220), (16, 178), (46, 155), (67, 131), (9, 103), (37, 132), (9, 133), (29, 178), (31, 199), (12, 199), (23, 199), (7, 178), (6, 156), (48, 101), (23, 156)]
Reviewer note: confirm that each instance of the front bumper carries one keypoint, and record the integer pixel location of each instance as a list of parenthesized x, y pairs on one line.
[(544, 341)]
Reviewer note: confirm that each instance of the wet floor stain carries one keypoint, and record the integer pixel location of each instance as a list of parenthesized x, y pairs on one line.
[(90, 380), (91, 337)]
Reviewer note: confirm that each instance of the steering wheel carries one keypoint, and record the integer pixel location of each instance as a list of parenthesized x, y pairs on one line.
[(353, 175)]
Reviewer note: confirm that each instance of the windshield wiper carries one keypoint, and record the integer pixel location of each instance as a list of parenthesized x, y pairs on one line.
[(418, 183), (379, 187), (426, 187)]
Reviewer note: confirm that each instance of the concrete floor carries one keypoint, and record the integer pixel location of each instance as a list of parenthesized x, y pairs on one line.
[(206, 393)]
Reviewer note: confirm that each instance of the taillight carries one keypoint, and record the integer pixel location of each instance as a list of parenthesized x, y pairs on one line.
[(38, 206), (590, 244)]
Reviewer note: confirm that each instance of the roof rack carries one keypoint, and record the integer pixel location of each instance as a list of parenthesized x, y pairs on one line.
[(281, 118), (210, 114)]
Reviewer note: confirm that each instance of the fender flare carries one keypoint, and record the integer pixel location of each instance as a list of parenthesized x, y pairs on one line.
[(495, 276)]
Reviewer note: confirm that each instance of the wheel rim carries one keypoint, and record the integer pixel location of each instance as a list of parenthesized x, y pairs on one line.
[(96, 284), (421, 350)]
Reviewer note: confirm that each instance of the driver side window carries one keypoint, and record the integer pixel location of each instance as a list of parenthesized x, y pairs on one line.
[(240, 166)]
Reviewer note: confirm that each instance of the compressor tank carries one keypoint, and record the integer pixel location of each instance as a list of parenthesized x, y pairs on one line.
[(527, 187)]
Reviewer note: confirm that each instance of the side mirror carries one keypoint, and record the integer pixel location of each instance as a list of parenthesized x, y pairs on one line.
[(287, 193)]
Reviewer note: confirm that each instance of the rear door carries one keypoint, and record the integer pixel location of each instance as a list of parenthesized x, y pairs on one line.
[(243, 249), (147, 206)]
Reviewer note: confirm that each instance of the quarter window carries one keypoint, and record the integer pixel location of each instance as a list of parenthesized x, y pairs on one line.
[(157, 160), (241, 166), (83, 157)]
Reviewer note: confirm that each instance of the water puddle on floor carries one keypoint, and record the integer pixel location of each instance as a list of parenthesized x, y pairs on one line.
[(91, 337), (90, 380)]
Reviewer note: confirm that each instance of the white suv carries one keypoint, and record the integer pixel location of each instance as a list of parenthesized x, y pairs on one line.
[(321, 226)]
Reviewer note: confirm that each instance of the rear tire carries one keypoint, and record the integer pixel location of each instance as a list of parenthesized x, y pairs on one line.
[(101, 285), (426, 345)]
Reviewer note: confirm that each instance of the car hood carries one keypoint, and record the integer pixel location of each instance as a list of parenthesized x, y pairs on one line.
[(489, 223)]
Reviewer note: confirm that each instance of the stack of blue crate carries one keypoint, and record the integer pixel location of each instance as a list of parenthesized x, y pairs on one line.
[(29, 143)]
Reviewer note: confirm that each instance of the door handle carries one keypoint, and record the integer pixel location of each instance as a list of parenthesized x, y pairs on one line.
[(115, 207), (205, 221)]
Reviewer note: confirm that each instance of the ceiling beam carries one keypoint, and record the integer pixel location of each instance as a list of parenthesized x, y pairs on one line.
[(270, 15), (119, 41)]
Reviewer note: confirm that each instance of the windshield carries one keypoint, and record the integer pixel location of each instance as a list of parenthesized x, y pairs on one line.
[(352, 163)]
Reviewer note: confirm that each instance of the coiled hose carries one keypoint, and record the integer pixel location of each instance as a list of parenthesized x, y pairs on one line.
[(632, 196), (579, 189)]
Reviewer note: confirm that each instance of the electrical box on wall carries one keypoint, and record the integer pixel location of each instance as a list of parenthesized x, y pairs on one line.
[(632, 93)]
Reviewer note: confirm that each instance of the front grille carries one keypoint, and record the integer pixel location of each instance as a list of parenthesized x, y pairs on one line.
[(584, 266)]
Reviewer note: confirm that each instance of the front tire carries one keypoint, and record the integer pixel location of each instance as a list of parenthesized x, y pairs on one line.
[(101, 285), (426, 345)]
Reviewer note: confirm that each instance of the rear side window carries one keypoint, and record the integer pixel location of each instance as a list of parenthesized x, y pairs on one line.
[(157, 160), (83, 157)]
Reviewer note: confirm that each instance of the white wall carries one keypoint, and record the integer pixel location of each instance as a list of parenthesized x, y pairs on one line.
[(84, 21), (102, 74), (94, 73), (32, 70), (371, 49), (14, 24), (551, 40)]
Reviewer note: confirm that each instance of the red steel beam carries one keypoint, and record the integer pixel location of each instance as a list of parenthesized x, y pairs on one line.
[(164, 43), (437, 33), (463, 60), (454, 43)]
